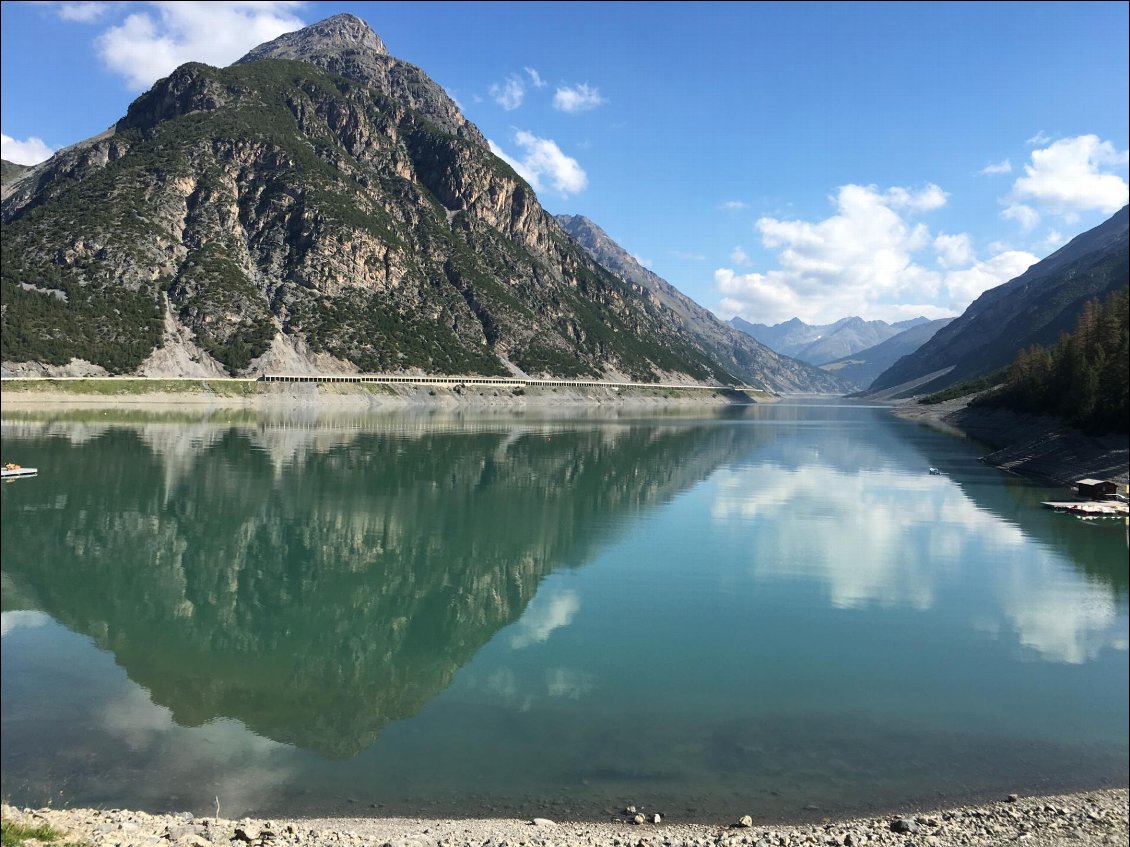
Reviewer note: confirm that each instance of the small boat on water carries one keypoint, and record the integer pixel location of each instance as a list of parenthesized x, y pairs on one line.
[(935, 472), (13, 471)]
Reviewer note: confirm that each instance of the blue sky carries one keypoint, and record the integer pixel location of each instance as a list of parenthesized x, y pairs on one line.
[(770, 160)]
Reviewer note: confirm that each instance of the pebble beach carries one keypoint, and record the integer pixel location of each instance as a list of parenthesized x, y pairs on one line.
[(1080, 820)]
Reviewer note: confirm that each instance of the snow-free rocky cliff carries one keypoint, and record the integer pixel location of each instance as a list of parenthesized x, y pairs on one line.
[(325, 205)]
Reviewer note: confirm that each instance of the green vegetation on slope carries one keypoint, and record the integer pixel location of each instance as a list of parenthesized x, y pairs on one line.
[(1084, 378), (278, 195), (14, 834)]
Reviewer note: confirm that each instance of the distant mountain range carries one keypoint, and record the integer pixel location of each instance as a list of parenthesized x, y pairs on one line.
[(824, 343), (322, 206), (1034, 308), (862, 368)]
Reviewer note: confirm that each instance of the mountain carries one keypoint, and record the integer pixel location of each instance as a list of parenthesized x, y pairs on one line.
[(1034, 308), (824, 343), (742, 355), (318, 206), (861, 368), (9, 171)]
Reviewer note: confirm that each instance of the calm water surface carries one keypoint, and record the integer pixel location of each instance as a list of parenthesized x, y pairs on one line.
[(775, 609)]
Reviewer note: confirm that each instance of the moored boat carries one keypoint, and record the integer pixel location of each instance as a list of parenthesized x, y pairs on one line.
[(13, 471)]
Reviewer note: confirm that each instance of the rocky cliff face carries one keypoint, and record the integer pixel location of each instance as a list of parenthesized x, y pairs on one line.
[(320, 196), (739, 353)]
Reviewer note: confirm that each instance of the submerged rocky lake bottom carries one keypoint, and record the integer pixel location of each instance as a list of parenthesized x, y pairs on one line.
[(773, 608)]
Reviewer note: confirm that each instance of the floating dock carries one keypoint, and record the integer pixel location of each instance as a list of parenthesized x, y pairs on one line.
[(1090, 508), (16, 473)]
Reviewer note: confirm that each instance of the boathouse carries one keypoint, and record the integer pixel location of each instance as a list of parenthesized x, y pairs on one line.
[(1096, 489)]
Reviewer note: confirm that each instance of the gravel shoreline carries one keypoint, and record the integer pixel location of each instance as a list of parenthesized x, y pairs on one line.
[(1031, 445), (1082, 819)]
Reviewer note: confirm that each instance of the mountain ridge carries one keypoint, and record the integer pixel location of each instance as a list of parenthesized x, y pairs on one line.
[(862, 367), (334, 213), (743, 355), (1033, 308), (819, 344)]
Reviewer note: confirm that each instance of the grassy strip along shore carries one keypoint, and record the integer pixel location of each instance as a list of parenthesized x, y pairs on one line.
[(1082, 820)]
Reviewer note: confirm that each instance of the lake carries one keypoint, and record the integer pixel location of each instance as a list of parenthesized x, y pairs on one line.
[(774, 610)]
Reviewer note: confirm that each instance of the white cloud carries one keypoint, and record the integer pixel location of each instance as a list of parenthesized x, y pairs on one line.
[(83, 13), (929, 198), (544, 160), (967, 285), (734, 205), (647, 263), (577, 98), (31, 151), (568, 683), (687, 255), (859, 261), (545, 614), (1004, 167), (148, 45), (535, 78), (508, 94), (739, 256), (953, 250), (1069, 176), (1054, 240), (1024, 215), (1039, 139), (22, 619)]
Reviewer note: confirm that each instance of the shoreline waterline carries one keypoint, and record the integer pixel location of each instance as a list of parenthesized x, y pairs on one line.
[(1096, 817)]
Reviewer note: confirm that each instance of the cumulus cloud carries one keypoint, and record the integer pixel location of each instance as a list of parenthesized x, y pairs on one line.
[(953, 250), (577, 98), (864, 260), (83, 13), (1054, 240), (535, 78), (149, 44), (857, 261), (30, 151), (543, 161), (1039, 139), (1024, 215), (22, 619), (1070, 176), (545, 614), (508, 94), (739, 256), (1004, 167), (965, 286)]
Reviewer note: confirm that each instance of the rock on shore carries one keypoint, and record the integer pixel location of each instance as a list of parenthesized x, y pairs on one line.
[(1080, 820)]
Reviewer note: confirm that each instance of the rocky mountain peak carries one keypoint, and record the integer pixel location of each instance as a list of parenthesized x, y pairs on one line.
[(339, 35), (347, 46)]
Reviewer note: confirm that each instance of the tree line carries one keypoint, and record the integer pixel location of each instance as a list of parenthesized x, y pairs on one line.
[(1083, 379)]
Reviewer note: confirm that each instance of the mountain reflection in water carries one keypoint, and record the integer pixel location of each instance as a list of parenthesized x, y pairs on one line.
[(769, 608), (317, 583)]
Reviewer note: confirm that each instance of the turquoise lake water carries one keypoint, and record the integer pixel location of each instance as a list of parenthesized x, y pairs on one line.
[(772, 610)]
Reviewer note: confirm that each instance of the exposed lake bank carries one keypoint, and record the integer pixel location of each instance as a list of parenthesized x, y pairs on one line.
[(1084, 819), (1033, 445), (243, 394)]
